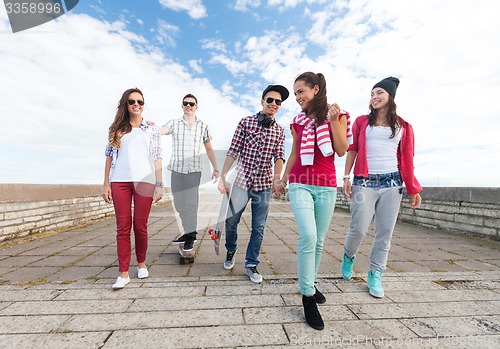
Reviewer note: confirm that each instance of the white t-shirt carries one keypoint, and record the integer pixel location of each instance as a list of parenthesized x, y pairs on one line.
[(134, 162), (381, 150)]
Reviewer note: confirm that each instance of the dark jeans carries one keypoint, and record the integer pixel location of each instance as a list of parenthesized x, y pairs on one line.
[(260, 208), (185, 189)]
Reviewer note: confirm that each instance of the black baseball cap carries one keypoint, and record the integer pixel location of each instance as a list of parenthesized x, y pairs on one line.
[(278, 88)]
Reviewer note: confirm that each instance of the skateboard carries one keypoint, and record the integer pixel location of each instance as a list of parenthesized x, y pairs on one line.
[(186, 256), (225, 207)]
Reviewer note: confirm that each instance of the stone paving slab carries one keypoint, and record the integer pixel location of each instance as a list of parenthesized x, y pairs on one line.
[(430, 309), (442, 291), (30, 324), (88, 340), (215, 337), (67, 307), (153, 320), (454, 326)]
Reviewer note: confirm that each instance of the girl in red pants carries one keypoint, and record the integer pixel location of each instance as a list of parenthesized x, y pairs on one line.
[(132, 173)]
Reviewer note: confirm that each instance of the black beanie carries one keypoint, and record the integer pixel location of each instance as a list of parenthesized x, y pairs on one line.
[(389, 84)]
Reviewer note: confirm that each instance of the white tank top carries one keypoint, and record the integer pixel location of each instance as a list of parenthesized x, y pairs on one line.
[(381, 150), (133, 163)]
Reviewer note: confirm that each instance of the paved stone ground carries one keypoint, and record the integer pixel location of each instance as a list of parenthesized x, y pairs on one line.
[(442, 291)]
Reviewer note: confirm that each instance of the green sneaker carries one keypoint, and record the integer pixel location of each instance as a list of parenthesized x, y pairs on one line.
[(375, 284), (346, 267)]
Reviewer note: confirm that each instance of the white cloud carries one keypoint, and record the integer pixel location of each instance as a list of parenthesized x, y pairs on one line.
[(194, 8), (214, 45), (243, 5), (445, 53), (288, 4), (166, 32), (64, 80), (232, 65), (195, 66)]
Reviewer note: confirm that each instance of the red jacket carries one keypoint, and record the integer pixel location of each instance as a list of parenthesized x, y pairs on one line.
[(406, 151)]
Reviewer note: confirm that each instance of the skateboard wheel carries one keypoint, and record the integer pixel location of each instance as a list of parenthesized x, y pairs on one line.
[(184, 260)]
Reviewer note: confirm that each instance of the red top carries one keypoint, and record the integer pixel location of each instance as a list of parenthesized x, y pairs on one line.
[(406, 150), (321, 172)]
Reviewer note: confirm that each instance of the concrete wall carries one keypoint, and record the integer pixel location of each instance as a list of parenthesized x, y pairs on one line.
[(27, 208), (470, 210)]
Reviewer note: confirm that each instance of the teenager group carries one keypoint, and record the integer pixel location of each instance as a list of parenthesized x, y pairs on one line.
[(379, 145)]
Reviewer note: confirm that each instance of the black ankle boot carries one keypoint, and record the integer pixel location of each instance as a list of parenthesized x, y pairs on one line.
[(313, 317), (319, 297)]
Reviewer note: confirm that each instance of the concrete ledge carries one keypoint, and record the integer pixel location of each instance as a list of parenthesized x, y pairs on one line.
[(465, 210), (463, 194), (46, 192), (27, 209)]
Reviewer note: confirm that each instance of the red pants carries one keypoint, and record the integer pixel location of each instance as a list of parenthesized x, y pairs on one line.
[(142, 194)]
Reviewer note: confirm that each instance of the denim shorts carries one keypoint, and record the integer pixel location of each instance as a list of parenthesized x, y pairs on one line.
[(379, 181)]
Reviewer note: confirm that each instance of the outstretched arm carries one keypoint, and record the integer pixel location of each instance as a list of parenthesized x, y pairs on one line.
[(223, 188), (106, 187), (213, 160), (292, 158), (349, 162), (278, 185)]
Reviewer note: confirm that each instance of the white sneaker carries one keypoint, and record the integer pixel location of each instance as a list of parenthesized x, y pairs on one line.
[(229, 262), (254, 275), (142, 273), (120, 283)]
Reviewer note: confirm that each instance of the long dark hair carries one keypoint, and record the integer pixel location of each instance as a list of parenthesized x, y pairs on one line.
[(121, 125), (392, 116), (318, 106)]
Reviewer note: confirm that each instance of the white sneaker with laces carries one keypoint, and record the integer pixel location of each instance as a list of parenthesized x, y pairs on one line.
[(254, 275), (120, 283), (229, 262), (142, 273)]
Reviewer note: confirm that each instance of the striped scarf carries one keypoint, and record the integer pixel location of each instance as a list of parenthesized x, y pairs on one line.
[(319, 135)]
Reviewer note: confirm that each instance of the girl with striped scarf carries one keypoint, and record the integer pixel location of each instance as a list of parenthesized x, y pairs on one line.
[(319, 132)]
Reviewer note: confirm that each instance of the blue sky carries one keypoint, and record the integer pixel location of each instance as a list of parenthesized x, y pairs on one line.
[(61, 80)]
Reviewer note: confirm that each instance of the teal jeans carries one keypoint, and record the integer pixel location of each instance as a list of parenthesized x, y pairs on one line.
[(313, 208)]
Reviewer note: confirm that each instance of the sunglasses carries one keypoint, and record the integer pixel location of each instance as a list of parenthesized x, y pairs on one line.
[(132, 102), (269, 100), (191, 104)]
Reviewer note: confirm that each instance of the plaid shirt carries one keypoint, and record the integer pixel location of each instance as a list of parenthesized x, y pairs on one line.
[(187, 142), (255, 147), (153, 134)]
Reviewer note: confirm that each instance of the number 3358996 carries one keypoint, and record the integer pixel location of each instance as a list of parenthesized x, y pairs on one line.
[(32, 7)]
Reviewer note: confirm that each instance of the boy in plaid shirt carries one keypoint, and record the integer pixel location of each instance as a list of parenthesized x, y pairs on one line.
[(257, 144)]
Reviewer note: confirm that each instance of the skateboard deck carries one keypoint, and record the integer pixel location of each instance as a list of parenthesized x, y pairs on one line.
[(225, 207), (186, 256)]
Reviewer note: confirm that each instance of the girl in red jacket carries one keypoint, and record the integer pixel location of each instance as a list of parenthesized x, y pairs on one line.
[(382, 150)]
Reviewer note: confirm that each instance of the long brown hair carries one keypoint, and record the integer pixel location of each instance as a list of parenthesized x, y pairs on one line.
[(318, 106), (392, 116), (121, 125)]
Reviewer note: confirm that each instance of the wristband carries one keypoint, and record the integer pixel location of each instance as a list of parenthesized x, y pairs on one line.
[(346, 177), (216, 171), (284, 183), (159, 184)]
